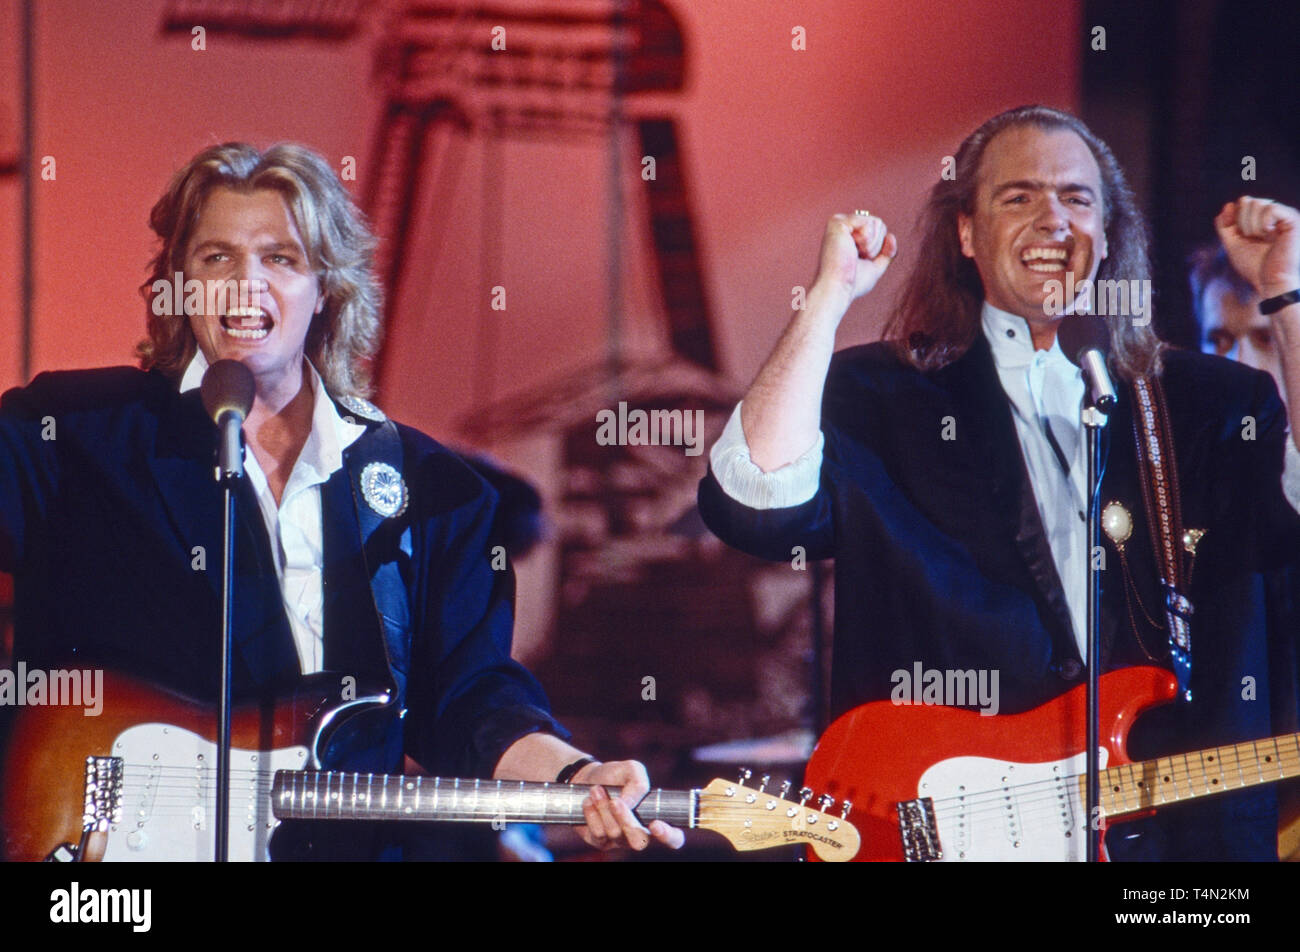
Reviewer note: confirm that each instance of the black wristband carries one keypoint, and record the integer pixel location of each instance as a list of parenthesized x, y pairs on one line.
[(1273, 304), (566, 775)]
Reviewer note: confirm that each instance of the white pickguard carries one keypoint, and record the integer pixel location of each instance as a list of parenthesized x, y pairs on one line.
[(993, 810), (169, 795)]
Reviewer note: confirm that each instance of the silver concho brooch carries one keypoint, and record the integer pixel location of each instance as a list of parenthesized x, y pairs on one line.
[(384, 489)]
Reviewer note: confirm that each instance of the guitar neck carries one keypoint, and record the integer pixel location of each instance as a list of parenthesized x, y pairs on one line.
[(333, 795), (1130, 788)]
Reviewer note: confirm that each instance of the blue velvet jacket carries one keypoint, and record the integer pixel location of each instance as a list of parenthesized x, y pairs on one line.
[(940, 557)]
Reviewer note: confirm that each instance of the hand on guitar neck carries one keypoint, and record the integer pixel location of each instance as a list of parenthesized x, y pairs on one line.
[(610, 821)]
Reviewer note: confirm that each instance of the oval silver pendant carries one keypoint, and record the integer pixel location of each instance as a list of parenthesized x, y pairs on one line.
[(384, 489)]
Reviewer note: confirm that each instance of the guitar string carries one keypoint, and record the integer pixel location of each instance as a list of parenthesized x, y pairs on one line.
[(134, 772), (979, 815), (163, 802), (1026, 815), (484, 812), (1031, 803), (1029, 799), (137, 776), (1180, 767), (979, 805), (171, 794), (972, 801)]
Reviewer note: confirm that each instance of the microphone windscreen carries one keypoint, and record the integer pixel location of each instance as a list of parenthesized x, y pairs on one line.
[(227, 385), (1080, 332)]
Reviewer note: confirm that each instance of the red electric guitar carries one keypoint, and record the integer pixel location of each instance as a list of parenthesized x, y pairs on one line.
[(944, 784)]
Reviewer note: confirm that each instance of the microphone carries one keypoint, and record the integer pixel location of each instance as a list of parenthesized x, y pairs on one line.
[(227, 392), (1085, 340)]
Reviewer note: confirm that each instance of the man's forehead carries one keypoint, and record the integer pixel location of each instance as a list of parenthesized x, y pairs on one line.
[(260, 216), (1044, 157)]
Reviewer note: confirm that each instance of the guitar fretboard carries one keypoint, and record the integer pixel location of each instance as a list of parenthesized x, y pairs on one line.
[(1129, 788), (332, 795)]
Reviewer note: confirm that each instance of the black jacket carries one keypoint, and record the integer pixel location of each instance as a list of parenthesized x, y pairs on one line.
[(107, 499), (941, 557)]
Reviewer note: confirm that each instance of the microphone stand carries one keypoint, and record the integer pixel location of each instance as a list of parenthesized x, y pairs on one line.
[(230, 470), (1085, 340), (1093, 420)]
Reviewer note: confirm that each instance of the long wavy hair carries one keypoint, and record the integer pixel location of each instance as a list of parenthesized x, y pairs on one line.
[(344, 336), (937, 316)]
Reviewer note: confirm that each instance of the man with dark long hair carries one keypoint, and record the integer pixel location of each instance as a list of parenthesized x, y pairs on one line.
[(364, 547), (943, 468)]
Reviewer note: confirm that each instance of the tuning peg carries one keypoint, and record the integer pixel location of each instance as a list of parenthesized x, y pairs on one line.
[(785, 788), (845, 808), (805, 794), (824, 802), (745, 774), (763, 782)]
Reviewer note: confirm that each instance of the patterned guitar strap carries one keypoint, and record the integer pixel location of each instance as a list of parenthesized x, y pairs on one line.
[(1158, 474), (381, 497)]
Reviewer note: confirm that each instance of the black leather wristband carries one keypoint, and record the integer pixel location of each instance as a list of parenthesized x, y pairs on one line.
[(1273, 304), (566, 775)]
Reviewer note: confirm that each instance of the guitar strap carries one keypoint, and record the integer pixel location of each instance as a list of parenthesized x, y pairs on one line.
[(1158, 474), (380, 496)]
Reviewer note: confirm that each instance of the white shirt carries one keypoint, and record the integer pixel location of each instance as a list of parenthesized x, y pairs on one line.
[(295, 528), (1046, 390), (1040, 385)]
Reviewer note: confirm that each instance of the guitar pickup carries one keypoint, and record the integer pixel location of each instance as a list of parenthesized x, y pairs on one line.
[(920, 834)]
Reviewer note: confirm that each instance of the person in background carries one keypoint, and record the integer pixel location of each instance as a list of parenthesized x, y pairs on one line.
[(1227, 313)]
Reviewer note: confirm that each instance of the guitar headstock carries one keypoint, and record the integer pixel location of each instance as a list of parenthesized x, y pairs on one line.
[(756, 819)]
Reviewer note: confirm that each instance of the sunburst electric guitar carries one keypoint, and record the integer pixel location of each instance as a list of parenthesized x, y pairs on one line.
[(138, 783), (935, 783)]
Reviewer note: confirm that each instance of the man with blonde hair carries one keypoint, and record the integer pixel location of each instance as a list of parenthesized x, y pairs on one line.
[(364, 547)]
